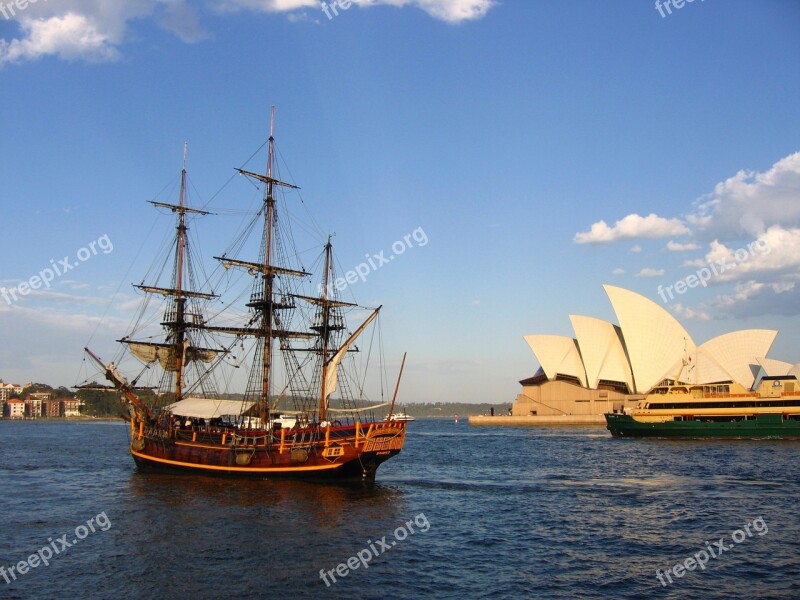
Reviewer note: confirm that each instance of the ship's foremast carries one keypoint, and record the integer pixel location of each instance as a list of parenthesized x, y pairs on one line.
[(177, 351)]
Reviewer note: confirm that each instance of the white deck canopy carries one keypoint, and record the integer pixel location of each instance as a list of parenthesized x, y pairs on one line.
[(209, 408)]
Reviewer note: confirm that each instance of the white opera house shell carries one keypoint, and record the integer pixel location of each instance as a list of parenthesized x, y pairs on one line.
[(606, 365)]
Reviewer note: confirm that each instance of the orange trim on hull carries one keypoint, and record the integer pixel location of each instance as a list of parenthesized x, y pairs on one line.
[(239, 469)]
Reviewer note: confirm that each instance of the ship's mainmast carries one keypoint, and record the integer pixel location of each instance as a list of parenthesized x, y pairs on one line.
[(180, 300), (265, 306), (262, 300)]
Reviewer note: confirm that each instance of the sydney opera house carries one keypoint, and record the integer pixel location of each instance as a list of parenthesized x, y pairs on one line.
[(606, 367)]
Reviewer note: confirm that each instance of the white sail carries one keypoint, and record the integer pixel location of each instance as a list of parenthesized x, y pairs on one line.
[(332, 371), (332, 366)]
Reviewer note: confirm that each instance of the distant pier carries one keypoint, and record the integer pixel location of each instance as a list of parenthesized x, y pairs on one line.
[(538, 420)]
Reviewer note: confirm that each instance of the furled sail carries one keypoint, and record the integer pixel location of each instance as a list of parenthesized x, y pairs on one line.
[(209, 408), (166, 356)]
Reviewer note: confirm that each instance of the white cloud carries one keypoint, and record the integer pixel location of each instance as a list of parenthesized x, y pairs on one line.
[(686, 312), (695, 262), (70, 36), (73, 284), (59, 320), (452, 11), (618, 271), (636, 249), (673, 246), (650, 272), (94, 30), (774, 257), (751, 225), (631, 227), (749, 203), (765, 274), (53, 297), (182, 20), (89, 30)]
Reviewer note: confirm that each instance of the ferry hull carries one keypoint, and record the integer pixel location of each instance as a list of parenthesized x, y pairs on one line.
[(774, 426)]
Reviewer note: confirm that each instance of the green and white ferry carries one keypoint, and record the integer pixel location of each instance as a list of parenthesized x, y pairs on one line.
[(772, 410)]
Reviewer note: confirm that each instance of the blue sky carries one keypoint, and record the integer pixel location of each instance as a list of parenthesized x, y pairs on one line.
[(545, 148)]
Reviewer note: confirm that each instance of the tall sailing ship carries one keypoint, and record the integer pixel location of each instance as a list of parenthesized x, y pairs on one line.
[(303, 413)]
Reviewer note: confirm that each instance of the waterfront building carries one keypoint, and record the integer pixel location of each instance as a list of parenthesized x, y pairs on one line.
[(52, 408), (69, 407), (33, 407), (8, 389), (15, 409)]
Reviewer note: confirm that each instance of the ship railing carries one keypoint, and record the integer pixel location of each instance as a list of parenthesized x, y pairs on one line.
[(384, 438), (250, 441), (154, 433)]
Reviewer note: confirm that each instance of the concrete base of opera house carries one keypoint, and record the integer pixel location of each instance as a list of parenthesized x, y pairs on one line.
[(544, 402), (532, 421)]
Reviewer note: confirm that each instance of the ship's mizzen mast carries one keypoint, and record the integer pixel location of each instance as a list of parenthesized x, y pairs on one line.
[(325, 330)]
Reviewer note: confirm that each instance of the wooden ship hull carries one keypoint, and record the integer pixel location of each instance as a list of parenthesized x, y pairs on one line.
[(340, 453)]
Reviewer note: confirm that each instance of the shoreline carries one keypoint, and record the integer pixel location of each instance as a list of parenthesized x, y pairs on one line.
[(62, 420)]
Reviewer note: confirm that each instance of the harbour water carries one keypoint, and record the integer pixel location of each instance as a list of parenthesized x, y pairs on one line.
[(461, 513)]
